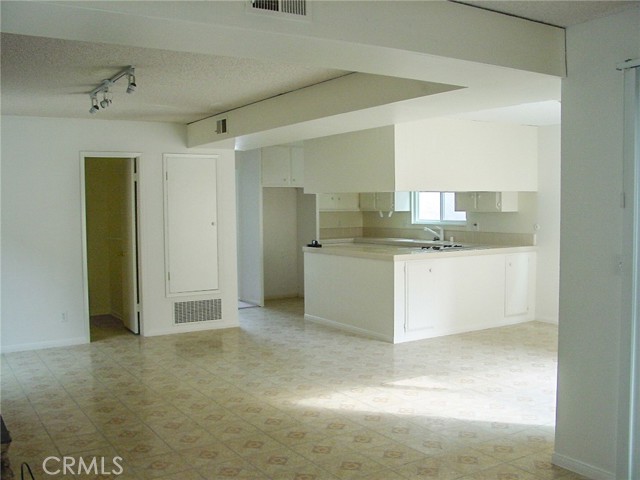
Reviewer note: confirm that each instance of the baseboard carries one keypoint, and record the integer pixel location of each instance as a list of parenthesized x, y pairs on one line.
[(192, 327), (423, 334), (67, 342), (348, 328), (282, 297), (552, 320), (581, 468)]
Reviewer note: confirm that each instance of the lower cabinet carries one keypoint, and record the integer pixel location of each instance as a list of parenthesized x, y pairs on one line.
[(453, 295), (400, 300), (516, 288)]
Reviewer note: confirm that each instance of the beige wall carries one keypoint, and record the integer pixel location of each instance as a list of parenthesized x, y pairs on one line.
[(104, 195)]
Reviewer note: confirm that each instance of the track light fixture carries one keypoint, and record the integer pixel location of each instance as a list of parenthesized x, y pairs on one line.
[(103, 88), (94, 104), (132, 83)]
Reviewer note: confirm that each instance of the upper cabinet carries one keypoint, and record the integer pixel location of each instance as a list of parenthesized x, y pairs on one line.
[(428, 155), (282, 166), (385, 202), (351, 162), (487, 201), (338, 202)]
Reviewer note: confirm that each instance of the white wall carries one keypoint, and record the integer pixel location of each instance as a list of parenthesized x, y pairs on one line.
[(249, 194), (590, 281), (548, 218), (308, 229), (42, 268), (279, 207)]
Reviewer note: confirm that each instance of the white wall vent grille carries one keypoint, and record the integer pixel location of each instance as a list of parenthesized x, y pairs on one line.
[(292, 7), (197, 311)]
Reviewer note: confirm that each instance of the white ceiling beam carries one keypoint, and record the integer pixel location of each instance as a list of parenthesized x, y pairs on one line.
[(352, 92), (359, 36)]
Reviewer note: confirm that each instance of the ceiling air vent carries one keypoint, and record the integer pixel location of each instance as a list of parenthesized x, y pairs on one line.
[(292, 7)]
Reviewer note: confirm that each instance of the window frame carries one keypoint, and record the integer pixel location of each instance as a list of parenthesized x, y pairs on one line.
[(417, 221)]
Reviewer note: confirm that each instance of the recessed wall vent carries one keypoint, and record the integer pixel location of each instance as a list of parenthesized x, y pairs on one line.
[(291, 7), (221, 126), (197, 311)]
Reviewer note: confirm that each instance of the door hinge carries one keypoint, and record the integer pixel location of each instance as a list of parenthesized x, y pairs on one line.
[(623, 200), (169, 276)]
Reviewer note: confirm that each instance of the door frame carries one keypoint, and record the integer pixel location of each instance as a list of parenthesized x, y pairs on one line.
[(132, 156)]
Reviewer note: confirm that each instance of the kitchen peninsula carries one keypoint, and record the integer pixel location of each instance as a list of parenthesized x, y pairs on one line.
[(403, 290)]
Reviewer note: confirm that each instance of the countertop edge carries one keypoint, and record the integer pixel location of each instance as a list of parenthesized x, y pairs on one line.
[(348, 250)]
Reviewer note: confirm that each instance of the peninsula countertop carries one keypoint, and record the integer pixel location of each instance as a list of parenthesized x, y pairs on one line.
[(394, 249)]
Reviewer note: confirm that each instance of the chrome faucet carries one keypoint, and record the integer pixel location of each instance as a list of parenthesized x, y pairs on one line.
[(438, 232)]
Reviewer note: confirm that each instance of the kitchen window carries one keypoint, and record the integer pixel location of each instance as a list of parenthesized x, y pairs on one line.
[(435, 207)]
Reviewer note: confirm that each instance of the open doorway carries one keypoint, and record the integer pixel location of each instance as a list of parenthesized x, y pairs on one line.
[(111, 231)]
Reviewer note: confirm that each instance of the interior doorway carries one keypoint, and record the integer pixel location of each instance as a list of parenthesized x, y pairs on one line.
[(110, 211)]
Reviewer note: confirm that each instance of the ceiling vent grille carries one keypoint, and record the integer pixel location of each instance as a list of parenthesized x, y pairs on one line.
[(197, 311), (291, 7)]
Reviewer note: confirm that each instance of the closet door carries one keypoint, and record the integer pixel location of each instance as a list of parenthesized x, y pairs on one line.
[(191, 224)]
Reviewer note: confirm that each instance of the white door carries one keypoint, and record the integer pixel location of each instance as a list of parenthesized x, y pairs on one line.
[(191, 224), (129, 252)]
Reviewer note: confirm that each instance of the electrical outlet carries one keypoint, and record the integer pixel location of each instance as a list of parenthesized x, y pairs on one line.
[(64, 317)]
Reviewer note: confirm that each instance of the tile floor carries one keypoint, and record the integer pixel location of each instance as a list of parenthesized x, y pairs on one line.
[(283, 399)]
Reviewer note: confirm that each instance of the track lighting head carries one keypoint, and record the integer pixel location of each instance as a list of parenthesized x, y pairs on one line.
[(94, 105), (103, 88), (106, 101), (132, 84)]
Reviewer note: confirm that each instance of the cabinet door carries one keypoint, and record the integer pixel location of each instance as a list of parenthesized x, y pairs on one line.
[(384, 201), (276, 166), (347, 202), (326, 202), (297, 167), (516, 301), (465, 201), (487, 202), (191, 226), (424, 301), (367, 202)]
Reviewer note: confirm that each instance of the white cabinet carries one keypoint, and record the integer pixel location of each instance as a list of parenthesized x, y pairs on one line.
[(487, 201), (338, 202), (361, 161), (516, 295), (282, 166), (385, 202), (437, 155), (452, 295), (191, 224)]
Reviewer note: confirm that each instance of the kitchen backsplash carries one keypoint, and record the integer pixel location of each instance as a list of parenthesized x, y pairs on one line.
[(509, 229)]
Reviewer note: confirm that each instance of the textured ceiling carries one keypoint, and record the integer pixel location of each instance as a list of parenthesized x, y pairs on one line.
[(49, 77), (553, 12)]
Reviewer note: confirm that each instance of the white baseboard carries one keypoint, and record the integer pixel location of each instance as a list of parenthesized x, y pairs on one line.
[(67, 342), (348, 328), (553, 320), (581, 468), (191, 327)]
